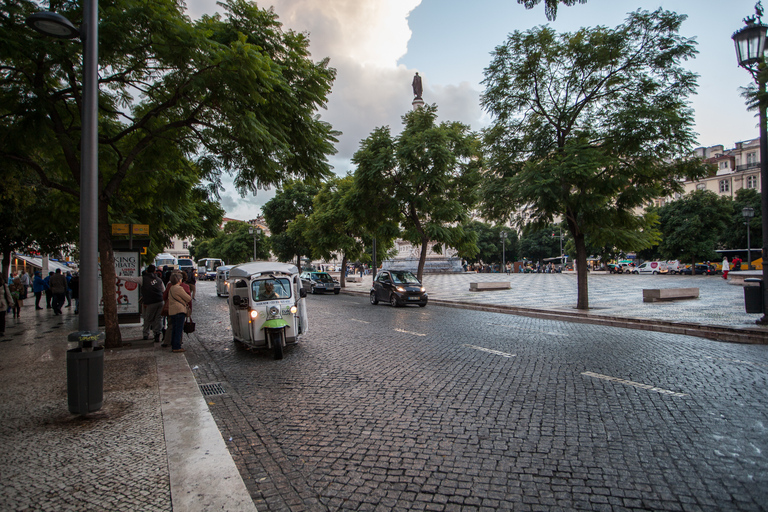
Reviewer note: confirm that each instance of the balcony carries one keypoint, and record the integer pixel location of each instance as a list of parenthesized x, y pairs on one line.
[(748, 166)]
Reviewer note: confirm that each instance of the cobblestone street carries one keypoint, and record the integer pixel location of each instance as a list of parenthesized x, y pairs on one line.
[(383, 408)]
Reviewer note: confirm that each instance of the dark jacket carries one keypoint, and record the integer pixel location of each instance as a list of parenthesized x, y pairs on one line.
[(152, 289), (58, 283)]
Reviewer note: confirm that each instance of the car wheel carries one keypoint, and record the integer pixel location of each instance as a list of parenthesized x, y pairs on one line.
[(393, 300), (313, 291), (374, 300), (336, 292), (654, 272), (423, 305)]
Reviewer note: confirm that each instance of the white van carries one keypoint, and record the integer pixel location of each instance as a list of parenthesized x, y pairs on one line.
[(651, 267), (674, 266)]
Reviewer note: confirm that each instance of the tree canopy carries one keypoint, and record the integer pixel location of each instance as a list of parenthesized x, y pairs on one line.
[(490, 248), (588, 127), (424, 179), (285, 215), (550, 6), (180, 103)]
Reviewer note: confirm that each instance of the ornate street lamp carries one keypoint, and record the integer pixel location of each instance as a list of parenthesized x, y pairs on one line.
[(750, 50), (748, 213), (85, 381), (255, 232)]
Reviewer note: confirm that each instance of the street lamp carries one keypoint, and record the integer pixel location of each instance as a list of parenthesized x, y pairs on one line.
[(748, 213), (55, 25), (255, 232), (503, 251), (750, 50)]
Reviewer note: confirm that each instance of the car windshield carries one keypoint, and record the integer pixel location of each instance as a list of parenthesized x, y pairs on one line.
[(270, 289), (404, 278), (186, 263), (323, 277)]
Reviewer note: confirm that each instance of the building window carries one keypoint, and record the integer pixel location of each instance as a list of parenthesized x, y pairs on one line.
[(701, 186), (185, 245), (751, 181), (723, 165), (173, 245), (725, 186), (751, 158)]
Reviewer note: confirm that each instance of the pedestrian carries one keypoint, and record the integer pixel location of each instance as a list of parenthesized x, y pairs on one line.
[(179, 305), (58, 286), (152, 289), (69, 290), (725, 267), (6, 299), (74, 286), (38, 287), (15, 290), (24, 278), (191, 282), (48, 293)]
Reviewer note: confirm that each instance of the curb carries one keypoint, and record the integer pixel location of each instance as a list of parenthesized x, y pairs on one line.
[(755, 336)]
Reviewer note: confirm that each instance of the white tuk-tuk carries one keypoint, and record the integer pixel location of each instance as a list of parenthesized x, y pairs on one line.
[(222, 275), (267, 305)]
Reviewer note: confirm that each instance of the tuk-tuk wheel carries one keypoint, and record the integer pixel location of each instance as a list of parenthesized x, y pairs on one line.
[(277, 344)]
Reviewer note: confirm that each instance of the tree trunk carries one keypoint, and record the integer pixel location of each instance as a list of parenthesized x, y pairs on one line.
[(422, 258), (113, 338), (581, 272), (343, 273)]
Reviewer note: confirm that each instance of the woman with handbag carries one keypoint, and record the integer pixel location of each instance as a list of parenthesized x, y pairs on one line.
[(15, 289), (179, 302)]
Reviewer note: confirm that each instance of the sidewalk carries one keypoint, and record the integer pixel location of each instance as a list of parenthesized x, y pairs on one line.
[(154, 446)]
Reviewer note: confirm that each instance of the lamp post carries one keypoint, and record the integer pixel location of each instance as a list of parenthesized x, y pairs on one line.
[(748, 213), (750, 50), (55, 25), (255, 232), (503, 251)]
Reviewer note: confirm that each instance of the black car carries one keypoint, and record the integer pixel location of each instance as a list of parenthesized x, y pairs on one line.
[(315, 282), (398, 287), (709, 270)]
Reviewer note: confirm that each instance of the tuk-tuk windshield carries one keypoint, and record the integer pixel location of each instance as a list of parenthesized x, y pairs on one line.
[(270, 289), (402, 277)]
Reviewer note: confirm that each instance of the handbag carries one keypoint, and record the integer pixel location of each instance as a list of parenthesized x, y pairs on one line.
[(189, 325)]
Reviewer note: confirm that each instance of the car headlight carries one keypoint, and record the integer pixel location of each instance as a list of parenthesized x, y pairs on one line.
[(400, 289), (274, 312), (254, 314)]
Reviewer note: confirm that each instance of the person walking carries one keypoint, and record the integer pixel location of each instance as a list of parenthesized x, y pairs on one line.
[(24, 278), (68, 295), (726, 268), (15, 290), (6, 299), (152, 289), (192, 282), (48, 293), (38, 287), (179, 303), (74, 286), (58, 286)]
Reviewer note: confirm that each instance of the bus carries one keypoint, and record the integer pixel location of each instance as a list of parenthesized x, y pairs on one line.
[(163, 260), (206, 268)]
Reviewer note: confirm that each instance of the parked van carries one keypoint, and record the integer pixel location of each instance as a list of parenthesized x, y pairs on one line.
[(651, 267), (674, 266)]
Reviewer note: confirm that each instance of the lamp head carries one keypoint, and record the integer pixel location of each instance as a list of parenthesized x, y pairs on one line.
[(53, 24)]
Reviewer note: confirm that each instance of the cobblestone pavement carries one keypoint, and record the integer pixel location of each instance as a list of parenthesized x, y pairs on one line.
[(53, 460), (383, 408), (720, 302)]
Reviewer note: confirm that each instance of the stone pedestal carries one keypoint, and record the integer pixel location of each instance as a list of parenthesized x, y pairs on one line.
[(417, 102)]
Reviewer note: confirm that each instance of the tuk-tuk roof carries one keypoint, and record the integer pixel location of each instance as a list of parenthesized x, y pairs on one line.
[(262, 267), (223, 267)]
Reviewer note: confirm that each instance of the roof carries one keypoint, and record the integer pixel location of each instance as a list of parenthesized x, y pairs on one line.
[(37, 262), (262, 267)]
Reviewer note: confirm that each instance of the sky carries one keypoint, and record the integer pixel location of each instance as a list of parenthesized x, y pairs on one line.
[(376, 47)]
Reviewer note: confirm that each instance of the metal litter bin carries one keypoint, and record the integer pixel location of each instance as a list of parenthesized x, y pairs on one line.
[(753, 295), (85, 379)]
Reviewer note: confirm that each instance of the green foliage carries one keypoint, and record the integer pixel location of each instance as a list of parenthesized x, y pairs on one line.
[(286, 216), (550, 6), (588, 128), (489, 245), (424, 180), (735, 234), (233, 244), (535, 245), (692, 226)]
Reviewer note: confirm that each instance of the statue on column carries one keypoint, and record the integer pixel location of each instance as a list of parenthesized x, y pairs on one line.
[(417, 88)]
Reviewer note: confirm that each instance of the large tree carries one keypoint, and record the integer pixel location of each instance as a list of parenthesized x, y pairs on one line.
[(423, 179), (550, 6), (588, 127), (234, 244), (691, 226), (490, 248), (234, 93), (285, 215)]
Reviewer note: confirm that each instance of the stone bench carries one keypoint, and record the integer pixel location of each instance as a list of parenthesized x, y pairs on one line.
[(663, 294), (492, 285), (354, 279)]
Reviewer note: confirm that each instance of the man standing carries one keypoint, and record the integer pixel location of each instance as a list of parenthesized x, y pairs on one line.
[(48, 294), (24, 278), (38, 287), (58, 290), (152, 289)]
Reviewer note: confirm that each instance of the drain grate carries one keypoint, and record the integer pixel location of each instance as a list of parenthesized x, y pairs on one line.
[(212, 389)]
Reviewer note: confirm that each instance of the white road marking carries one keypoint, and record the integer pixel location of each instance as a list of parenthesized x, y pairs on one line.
[(735, 361), (361, 321), (635, 384), (496, 352), (409, 332)]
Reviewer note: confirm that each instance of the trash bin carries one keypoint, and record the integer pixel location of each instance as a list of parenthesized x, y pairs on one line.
[(753, 295), (85, 380)]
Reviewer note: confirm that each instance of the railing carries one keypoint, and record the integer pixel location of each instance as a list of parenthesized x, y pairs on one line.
[(746, 167)]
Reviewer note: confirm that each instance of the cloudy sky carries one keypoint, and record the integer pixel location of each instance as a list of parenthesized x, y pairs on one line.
[(377, 45)]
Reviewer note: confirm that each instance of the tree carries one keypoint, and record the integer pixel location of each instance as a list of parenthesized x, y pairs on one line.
[(735, 234), (285, 216), (535, 245), (588, 128), (692, 225), (489, 245), (234, 94), (550, 6), (233, 244), (423, 179)]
